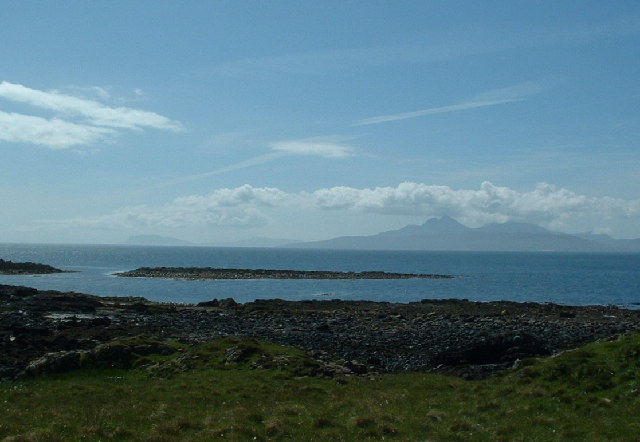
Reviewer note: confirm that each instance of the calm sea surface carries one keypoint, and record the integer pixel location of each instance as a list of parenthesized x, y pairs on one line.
[(480, 276)]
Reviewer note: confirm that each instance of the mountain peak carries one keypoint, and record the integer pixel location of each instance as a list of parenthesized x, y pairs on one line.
[(513, 227), (156, 240), (433, 226), (443, 224), (445, 233)]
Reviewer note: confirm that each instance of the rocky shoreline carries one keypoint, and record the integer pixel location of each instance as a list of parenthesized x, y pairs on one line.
[(222, 273), (472, 339), (26, 268)]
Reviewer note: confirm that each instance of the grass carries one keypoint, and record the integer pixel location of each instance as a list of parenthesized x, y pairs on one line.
[(250, 390)]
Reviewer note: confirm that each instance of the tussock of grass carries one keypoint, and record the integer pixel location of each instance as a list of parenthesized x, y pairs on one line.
[(249, 390)]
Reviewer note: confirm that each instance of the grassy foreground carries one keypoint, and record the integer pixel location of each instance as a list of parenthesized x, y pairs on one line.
[(196, 394)]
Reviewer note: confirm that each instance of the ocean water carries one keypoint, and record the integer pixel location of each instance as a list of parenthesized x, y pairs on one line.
[(565, 278)]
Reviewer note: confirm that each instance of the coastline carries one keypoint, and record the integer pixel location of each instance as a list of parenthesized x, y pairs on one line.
[(197, 273), (472, 339), (27, 268)]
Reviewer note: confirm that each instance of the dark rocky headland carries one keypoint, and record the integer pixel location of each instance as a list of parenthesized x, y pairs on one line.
[(221, 273), (26, 268), (455, 336)]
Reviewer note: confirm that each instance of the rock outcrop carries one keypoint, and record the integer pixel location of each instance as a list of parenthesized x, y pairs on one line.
[(455, 336), (26, 268), (220, 273)]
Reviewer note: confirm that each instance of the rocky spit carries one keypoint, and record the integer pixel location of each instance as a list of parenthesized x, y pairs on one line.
[(222, 273), (26, 268), (461, 337)]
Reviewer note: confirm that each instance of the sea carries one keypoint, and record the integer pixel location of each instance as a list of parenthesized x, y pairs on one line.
[(564, 278)]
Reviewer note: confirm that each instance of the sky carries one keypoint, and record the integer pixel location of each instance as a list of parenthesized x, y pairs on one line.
[(219, 121)]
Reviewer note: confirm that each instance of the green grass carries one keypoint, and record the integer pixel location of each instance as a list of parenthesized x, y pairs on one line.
[(195, 394)]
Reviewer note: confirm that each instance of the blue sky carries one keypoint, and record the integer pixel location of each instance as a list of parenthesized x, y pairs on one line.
[(221, 121)]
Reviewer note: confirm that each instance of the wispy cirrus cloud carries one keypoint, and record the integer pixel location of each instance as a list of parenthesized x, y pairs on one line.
[(76, 120), (333, 147), (251, 162), (490, 98), (434, 47), (335, 61), (327, 147)]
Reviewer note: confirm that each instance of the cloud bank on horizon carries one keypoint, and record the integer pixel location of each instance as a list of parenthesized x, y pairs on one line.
[(248, 207), (77, 121)]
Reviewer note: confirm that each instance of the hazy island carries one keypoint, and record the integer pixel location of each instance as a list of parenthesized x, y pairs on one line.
[(26, 268), (220, 273)]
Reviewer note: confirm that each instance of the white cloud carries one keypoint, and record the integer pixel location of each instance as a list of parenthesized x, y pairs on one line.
[(82, 120), (238, 207), (53, 133), (248, 206), (489, 98), (96, 113), (101, 92), (546, 204), (327, 147)]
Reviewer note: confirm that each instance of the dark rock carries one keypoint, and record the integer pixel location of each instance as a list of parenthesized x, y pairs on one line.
[(122, 354), (139, 307), (103, 321), (49, 301), (356, 367), (212, 303), (111, 355), (53, 363), (9, 291), (496, 349), (26, 268), (222, 273), (333, 369), (462, 337), (239, 353), (227, 303)]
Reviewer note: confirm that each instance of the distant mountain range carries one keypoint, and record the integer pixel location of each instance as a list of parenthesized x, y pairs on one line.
[(156, 240), (447, 234), (622, 244), (257, 242)]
